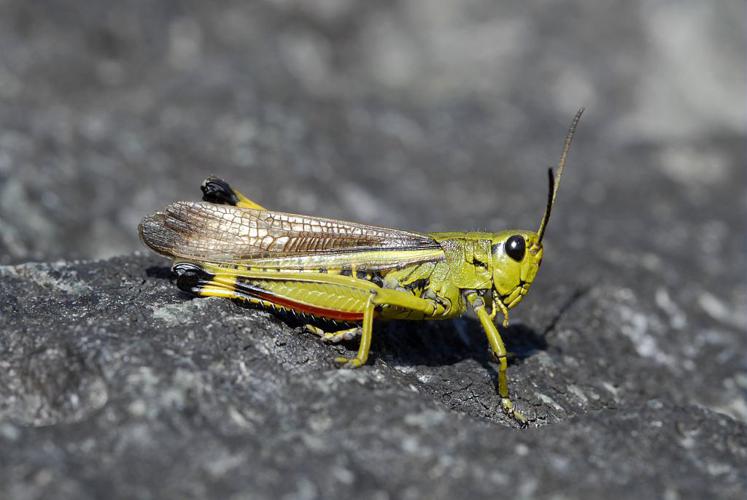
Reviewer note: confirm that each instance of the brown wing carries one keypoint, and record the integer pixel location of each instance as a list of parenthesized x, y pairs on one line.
[(224, 233)]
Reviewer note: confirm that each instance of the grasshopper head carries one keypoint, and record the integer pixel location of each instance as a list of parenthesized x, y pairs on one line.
[(517, 255)]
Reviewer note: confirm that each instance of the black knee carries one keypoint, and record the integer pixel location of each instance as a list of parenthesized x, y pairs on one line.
[(190, 277), (215, 190)]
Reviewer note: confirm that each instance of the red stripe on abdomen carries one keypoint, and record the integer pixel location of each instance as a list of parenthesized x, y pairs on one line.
[(309, 309)]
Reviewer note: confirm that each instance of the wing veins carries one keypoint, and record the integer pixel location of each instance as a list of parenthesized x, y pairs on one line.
[(223, 233)]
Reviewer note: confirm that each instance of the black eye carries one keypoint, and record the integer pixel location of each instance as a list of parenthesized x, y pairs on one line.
[(516, 247)]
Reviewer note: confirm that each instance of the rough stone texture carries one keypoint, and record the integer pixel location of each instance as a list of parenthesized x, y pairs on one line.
[(630, 349)]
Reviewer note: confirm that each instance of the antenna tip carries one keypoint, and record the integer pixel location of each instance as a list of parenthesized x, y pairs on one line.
[(577, 117)]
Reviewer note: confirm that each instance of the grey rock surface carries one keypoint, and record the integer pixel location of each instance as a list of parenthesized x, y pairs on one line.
[(115, 384), (630, 350)]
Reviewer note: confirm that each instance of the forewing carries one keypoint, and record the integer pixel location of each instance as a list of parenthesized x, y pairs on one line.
[(224, 233)]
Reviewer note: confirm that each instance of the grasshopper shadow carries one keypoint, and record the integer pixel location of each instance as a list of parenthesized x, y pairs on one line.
[(449, 342)]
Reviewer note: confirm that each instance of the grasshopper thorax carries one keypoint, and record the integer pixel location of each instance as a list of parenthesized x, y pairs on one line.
[(516, 257)]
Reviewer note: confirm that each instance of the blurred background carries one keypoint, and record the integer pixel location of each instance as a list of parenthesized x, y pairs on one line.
[(428, 115)]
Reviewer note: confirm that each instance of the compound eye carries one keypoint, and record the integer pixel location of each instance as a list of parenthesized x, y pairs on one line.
[(516, 247)]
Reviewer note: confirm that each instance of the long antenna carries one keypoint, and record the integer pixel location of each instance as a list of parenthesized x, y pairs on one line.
[(555, 181)]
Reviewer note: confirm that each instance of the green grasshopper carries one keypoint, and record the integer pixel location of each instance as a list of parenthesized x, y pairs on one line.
[(229, 246)]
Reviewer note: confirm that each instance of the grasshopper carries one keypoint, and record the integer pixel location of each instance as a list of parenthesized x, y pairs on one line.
[(229, 246)]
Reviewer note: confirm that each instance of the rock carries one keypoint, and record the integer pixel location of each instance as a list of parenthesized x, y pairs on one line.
[(115, 381), (628, 351)]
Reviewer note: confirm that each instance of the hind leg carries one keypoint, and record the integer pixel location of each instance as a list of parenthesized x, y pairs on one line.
[(218, 191), (194, 279), (335, 337)]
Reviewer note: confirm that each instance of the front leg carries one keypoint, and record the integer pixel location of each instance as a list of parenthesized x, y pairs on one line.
[(500, 353)]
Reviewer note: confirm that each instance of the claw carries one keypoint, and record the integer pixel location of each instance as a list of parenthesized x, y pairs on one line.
[(512, 412)]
